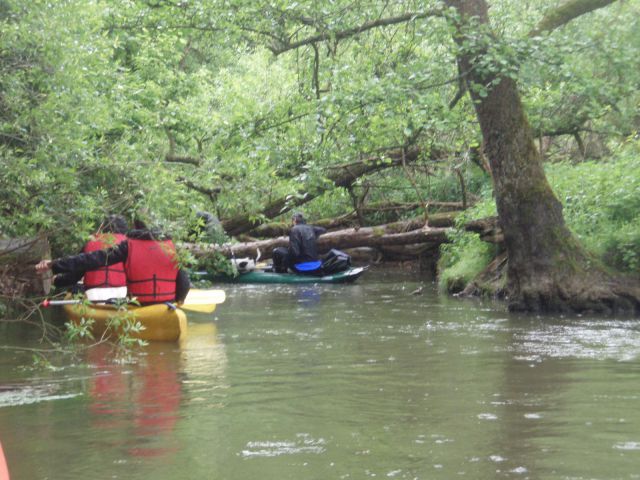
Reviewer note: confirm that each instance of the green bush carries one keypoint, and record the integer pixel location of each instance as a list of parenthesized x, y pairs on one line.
[(462, 260), (602, 205)]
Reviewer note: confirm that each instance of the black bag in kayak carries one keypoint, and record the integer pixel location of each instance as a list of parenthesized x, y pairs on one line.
[(335, 262)]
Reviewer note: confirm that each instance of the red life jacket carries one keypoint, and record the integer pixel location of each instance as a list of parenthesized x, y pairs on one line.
[(151, 270), (112, 275)]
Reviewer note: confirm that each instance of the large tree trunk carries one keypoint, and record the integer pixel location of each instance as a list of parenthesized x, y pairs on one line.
[(547, 269)]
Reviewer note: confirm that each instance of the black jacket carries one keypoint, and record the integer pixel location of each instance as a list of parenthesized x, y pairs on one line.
[(303, 244), (73, 267)]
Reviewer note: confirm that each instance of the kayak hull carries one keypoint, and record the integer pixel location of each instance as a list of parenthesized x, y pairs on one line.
[(160, 322), (261, 276)]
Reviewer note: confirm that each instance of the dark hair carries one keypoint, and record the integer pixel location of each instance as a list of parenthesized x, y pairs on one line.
[(139, 224), (298, 217), (115, 224)]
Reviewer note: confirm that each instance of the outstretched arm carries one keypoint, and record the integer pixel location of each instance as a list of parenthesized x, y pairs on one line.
[(78, 264)]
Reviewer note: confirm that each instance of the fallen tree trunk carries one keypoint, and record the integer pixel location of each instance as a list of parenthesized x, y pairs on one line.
[(393, 240), (440, 219), (383, 235)]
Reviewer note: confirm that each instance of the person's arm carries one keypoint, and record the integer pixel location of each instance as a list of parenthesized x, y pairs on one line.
[(78, 264), (183, 285), (319, 230)]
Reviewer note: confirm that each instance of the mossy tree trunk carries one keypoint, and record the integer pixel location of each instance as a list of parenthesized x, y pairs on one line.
[(547, 268)]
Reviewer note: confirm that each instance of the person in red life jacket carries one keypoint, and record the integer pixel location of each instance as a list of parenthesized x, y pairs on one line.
[(111, 276), (150, 265), (112, 231)]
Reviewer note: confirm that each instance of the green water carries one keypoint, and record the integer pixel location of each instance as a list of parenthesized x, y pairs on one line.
[(337, 382)]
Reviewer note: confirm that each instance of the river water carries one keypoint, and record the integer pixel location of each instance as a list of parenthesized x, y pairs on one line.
[(336, 382)]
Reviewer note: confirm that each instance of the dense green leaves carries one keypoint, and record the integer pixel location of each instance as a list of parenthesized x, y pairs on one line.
[(176, 107)]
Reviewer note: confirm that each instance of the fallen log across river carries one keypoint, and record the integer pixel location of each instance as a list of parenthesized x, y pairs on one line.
[(379, 236)]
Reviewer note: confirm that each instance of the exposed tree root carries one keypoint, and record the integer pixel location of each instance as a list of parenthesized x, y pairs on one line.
[(593, 291)]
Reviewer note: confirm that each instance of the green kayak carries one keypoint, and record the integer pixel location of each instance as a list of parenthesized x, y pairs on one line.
[(262, 276)]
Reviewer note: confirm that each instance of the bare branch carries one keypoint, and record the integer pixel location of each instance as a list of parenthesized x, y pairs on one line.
[(282, 47)]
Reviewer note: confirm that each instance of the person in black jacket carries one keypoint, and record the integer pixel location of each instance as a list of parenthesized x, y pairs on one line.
[(302, 254), (76, 265), (112, 224)]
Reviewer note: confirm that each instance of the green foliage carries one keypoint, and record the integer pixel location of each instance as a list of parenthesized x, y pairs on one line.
[(602, 204), (461, 260), (466, 255), (79, 331), (215, 264)]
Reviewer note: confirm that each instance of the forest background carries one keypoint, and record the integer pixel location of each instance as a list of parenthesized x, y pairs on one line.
[(251, 109)]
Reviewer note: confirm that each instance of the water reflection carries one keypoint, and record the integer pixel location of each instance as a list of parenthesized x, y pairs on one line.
[(308, 297), (140, 402)]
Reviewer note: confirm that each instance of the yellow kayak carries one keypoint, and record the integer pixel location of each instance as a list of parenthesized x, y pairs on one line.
[(160, 322)]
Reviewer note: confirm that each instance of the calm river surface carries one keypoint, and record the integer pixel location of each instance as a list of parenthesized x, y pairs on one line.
[(336, 382)]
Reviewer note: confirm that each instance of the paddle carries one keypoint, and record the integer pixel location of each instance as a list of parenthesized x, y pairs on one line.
[(203, 300), (197, 300)]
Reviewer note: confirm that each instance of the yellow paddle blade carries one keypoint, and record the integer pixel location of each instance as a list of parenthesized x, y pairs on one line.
[(204, 301), (206, 308), (198, 296)]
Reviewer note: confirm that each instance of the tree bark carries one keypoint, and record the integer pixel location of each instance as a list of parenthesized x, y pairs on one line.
[(548, 271)]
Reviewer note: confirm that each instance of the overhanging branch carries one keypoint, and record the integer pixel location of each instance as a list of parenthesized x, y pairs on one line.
[(567, 12), (282, 47)]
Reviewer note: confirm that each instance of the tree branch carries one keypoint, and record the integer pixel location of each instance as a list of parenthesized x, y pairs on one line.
[(212, 193), (284, 46), (171, 157), (182, 159), (340, 176), (567, 12)]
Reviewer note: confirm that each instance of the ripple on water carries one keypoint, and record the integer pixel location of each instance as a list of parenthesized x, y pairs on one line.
[(487, 416), (303, 443), (12, 396), (584, 339), (627, 446)]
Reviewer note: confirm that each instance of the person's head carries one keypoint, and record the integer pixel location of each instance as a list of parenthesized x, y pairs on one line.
[(139, 224), (298, 218), (142, 219), (115, 224)]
